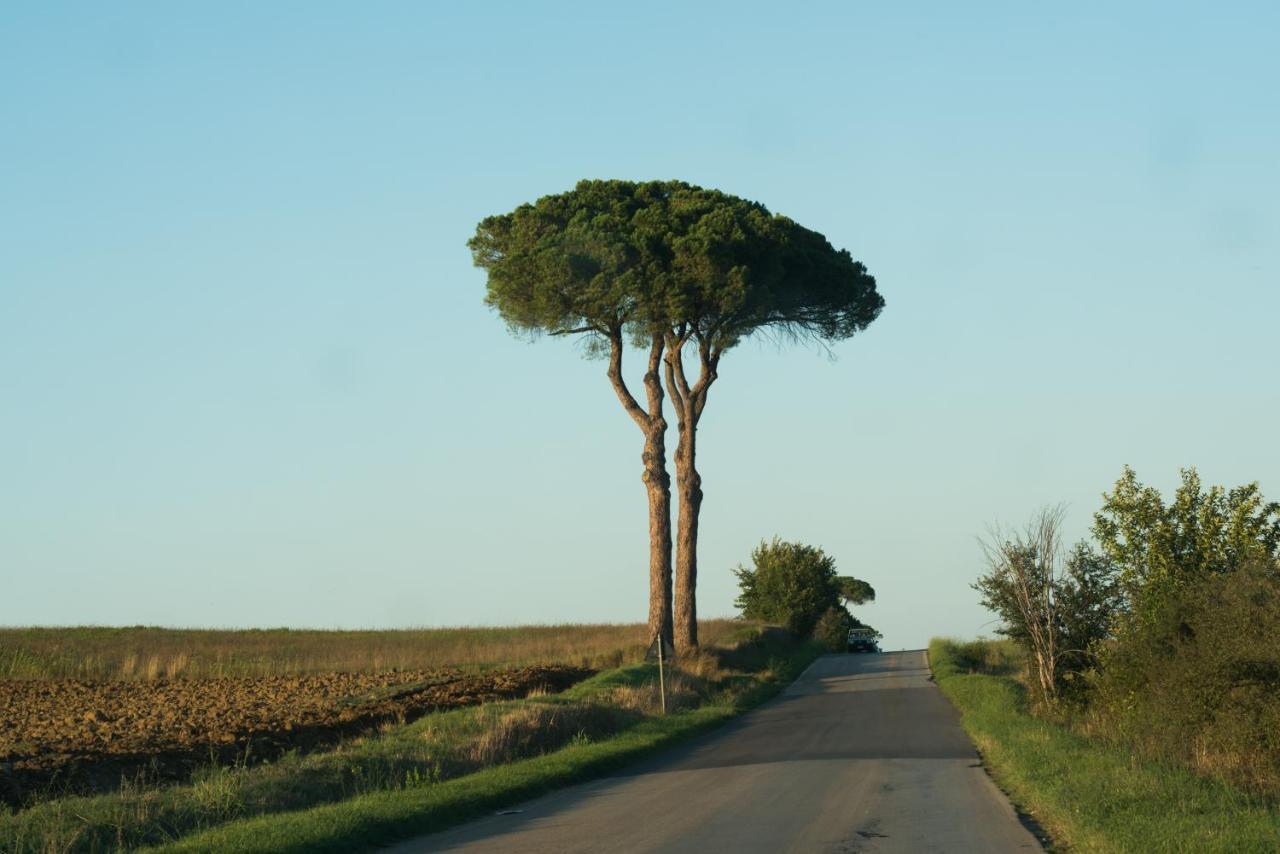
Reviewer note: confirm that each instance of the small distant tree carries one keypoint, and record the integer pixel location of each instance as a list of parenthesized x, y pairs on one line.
[(1058, 608), (855, 591), (793, 585), (1021, 586)]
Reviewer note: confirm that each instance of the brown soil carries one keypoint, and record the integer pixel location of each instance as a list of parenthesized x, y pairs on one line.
[(72, 735)]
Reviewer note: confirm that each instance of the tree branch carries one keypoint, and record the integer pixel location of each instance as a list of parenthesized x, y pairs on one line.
[(578, 331), (677, 387), (709, 359), (629, 402), (672, 388)]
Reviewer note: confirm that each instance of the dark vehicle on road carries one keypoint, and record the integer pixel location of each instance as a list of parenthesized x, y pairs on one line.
[(863, 640)]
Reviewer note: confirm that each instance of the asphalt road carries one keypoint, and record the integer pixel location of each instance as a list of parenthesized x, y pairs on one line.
[(861, 754)]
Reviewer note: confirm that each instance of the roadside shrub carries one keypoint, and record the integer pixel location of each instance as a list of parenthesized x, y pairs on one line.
[(1164, 633), (1201, 683), (793, 585), (1057, 606), (832, 629)]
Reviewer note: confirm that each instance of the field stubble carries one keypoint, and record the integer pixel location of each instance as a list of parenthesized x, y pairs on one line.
[(87, 736), (79, 714), (442, 757)]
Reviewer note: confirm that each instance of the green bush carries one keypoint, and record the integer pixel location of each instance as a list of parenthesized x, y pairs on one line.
[(1092, 796), (794, 585), (1201, 685), (832, 629), (791, 585), (1167, 636)]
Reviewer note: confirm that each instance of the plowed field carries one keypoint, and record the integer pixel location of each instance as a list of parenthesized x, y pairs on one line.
[(85, 736)]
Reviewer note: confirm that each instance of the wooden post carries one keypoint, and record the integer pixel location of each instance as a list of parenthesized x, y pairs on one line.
[(662, 687)]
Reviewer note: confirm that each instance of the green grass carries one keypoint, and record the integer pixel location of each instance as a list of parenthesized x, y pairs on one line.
[(423, 776), (1091, 795)]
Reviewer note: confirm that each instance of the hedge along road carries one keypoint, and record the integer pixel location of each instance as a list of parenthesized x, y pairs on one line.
[(861, 754)]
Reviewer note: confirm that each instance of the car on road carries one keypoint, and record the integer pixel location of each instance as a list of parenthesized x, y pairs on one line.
[(863, 639)]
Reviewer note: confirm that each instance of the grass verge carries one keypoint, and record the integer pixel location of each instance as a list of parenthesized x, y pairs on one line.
[(1090, 795), (388, 816), (423, 776)]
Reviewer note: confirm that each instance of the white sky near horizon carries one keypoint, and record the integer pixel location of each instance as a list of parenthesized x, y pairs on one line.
[(248, 378)]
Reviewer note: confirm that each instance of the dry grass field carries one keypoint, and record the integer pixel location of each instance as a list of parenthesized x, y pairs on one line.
[(147, 653)]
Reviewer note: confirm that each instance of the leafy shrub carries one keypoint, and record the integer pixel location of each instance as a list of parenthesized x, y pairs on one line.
[(1202, 684), (1167, 636), (832, 629), (1163, 549), (1056, 608), (794, 585)]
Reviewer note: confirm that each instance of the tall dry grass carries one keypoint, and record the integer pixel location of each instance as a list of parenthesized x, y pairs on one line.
[(143, 652)]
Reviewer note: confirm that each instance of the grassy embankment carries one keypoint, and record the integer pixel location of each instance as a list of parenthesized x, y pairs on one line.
[(415, 778), (1088, 794), (144, 652)]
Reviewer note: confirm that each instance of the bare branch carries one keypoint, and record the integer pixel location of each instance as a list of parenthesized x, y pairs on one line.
[(1027, 564)]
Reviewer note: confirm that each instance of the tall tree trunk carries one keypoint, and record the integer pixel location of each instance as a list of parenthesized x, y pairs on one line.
[(689, 489), (689, 402), (656, 480)]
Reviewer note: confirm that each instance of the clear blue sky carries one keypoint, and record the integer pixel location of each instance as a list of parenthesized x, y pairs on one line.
[(247, 379)]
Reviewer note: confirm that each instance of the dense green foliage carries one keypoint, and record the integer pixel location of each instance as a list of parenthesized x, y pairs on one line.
[(855, 591), (1089, 795), (1204, 687), (648, 257), (832, 629), (796, 586), (1089, 602), (1171, 627), (1192, 672), (790, 584), (1163, 550)]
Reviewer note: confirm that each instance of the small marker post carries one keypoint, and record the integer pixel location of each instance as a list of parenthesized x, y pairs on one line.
[(660, 650), (662, 685)]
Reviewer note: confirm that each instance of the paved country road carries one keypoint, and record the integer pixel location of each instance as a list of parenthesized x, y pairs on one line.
[(861, 754)]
